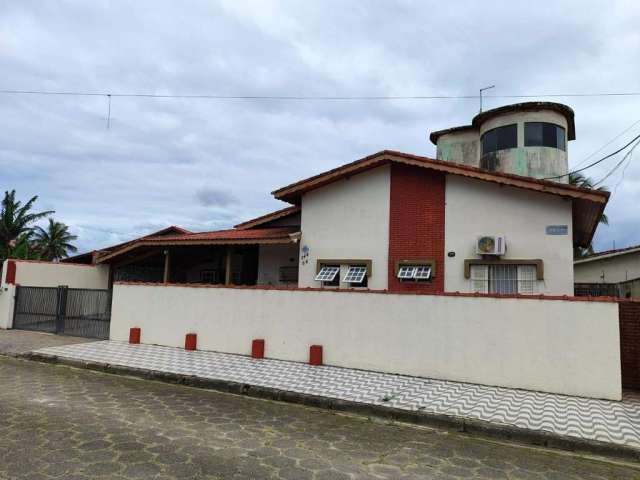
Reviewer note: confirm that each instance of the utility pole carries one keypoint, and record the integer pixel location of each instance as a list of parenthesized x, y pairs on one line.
[(482, 90)]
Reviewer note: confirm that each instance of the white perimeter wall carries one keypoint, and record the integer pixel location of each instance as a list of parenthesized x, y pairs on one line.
[(348, 219), (609, 270), (548, 345), (475, 208), (48, 274)]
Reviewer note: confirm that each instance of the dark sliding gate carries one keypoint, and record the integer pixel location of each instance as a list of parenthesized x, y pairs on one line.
[(69, 311)]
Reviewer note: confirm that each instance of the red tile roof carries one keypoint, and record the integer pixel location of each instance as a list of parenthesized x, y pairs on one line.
[(233, 234), (221, 237), (588, 204)]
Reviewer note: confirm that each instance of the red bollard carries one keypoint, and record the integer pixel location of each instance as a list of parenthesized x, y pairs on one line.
[(190, 341), (315, 355), (134, 335), (257, 348)]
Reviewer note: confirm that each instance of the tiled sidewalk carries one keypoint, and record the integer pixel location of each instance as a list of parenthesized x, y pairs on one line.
[(602, 420)]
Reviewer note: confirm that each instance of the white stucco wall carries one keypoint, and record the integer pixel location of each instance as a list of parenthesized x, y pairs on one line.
[(47, 274), (475, 208), (348, 219), (608, 270), (569, 347), (271, 258)]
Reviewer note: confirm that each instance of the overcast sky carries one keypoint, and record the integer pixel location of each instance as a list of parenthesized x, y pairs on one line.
[(208, 164)]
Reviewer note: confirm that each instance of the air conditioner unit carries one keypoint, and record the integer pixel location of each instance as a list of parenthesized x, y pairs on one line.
[(491, 245)]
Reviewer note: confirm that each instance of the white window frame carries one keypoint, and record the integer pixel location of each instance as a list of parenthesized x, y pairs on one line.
[(322, 275), (415, 272), (350, 276), (526, 280)]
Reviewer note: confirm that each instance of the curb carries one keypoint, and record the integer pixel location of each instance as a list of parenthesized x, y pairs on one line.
[(448, 422)]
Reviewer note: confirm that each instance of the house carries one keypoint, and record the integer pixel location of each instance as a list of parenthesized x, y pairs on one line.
[(610, 273), (457, 268), (492, 214)]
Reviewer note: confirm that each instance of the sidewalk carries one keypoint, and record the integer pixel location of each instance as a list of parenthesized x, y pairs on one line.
[(606, 421)]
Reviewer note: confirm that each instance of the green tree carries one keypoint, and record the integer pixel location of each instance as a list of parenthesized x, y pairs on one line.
[(16, 224), (579, 180), (54, 242)]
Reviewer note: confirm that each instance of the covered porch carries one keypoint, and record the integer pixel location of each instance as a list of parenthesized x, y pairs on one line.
[(230, 257)]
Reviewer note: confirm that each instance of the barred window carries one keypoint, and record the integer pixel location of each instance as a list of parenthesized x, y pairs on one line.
[(504, 279)]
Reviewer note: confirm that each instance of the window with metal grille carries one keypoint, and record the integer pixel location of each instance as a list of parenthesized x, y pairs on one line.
[(504, 279), (328, 275), (356, 276)]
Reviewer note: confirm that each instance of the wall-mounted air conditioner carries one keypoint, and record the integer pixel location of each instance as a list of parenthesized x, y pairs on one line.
[(491, 245)]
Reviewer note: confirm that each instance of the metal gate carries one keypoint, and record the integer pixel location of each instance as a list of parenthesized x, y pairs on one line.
[(69, 311)]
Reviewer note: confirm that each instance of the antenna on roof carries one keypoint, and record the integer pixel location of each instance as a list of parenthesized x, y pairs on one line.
[(482, 90)]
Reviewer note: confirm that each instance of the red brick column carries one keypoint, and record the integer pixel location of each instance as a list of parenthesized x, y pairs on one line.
[(629, 313), (416, 224)]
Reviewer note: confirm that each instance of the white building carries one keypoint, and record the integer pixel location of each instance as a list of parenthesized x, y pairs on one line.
[(612, 272), (400, 222)]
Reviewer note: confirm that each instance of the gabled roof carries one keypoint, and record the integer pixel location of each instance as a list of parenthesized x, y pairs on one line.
[(588, 204), (269, 217), (278, 235), (608, 254)]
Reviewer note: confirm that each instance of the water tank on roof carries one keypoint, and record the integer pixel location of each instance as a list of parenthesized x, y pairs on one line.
[(528, 139)]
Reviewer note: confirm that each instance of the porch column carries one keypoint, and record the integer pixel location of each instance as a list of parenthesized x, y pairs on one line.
[(227, 267), (167, 265)]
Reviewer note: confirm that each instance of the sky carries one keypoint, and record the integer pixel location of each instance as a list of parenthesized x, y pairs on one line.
[(209, 164)]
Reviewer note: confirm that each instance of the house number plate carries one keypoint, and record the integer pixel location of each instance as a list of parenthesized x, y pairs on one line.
[(557, 230)]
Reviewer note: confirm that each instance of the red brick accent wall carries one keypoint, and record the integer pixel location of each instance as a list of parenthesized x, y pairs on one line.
[(416, 224), (630, 343)]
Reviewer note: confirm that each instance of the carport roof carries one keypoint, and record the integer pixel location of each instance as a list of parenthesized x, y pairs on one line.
[(257, 236)]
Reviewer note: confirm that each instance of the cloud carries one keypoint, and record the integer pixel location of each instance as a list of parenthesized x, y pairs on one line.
[(206, 164), (208, 196)]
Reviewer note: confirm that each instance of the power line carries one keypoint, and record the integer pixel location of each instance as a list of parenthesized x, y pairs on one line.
[(306, 97), (584, 160), (594, 163), (626, 156)]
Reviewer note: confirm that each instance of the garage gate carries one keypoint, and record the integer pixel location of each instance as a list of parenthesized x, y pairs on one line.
[(69, 311)]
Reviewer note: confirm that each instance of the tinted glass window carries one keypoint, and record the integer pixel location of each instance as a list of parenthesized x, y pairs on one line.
[(500, 138), (541, 134)]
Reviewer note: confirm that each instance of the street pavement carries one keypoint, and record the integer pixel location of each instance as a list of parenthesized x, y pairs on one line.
[(72, 424), (14, 342)]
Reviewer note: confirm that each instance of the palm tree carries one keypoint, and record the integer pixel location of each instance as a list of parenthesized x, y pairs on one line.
[(16, 220), (579, 180), (53, 243)]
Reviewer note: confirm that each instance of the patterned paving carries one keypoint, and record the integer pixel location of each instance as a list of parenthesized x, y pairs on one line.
[(602, 420)]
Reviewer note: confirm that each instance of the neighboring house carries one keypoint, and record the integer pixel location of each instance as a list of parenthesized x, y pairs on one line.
[(404, 223), (609, 273)]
